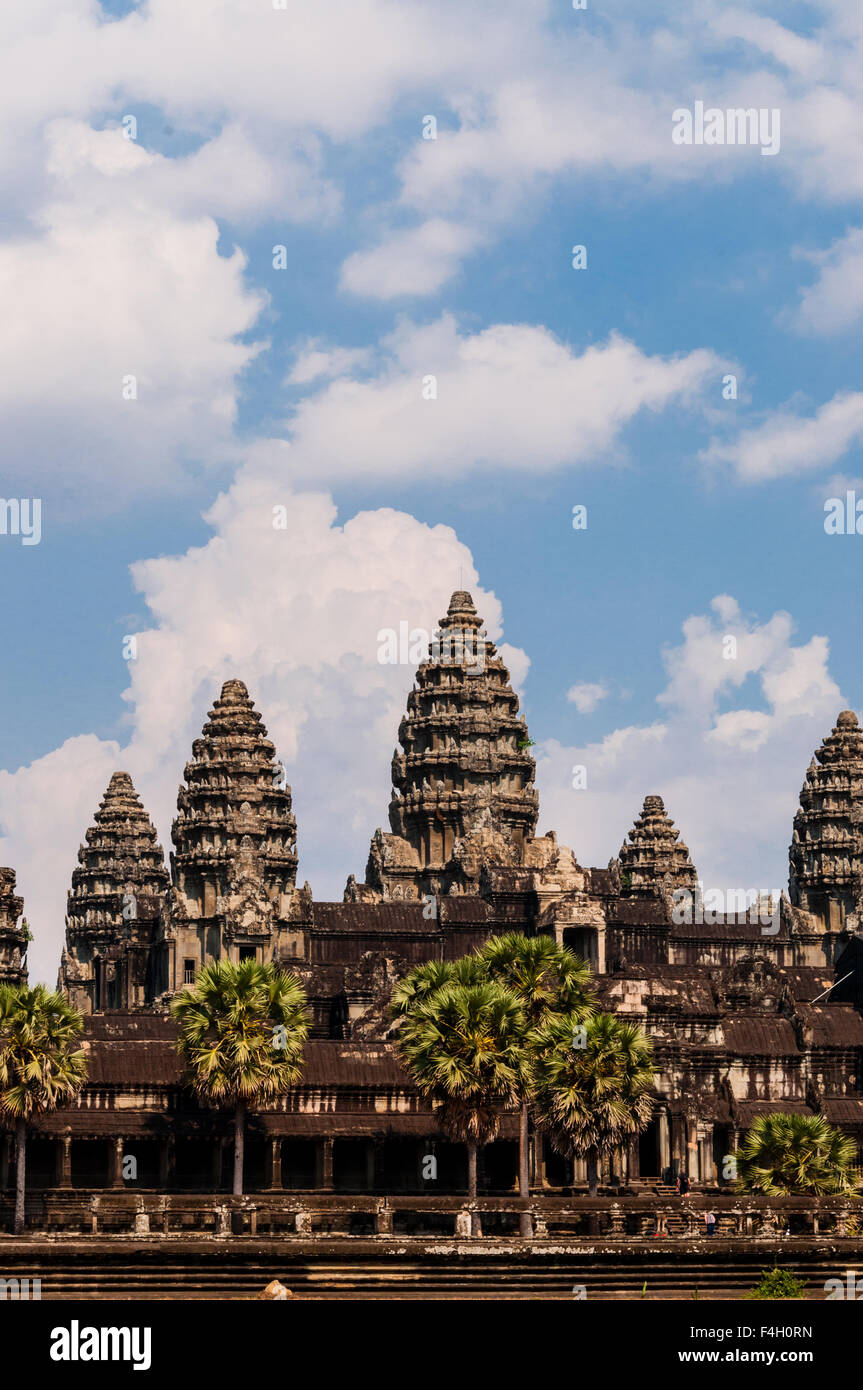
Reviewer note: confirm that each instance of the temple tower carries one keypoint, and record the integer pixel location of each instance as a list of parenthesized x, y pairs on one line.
[(113, 909), (14, 935), (463, 783), (826, 853), (655, 860), (234, 864)]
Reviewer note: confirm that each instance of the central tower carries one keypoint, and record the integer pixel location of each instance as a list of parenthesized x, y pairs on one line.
[(463, 782)]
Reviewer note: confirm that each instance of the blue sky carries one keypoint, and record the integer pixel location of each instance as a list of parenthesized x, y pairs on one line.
[(405, 257)]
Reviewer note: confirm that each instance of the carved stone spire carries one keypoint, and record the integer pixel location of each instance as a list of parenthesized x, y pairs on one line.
[(114, 904), (14, 936), (235, 832), (656, 858), (465, 764), (826, 853)]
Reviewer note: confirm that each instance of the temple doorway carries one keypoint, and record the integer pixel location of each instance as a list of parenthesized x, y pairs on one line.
[(90, 1162)]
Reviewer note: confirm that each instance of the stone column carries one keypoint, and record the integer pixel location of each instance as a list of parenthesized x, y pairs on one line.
[(707, 1168), (690, 1138), (115, 1177), (600, 950), (664, 1142), (537, 1160), (324, 1165), (633, 1169), (678, 1142), (274, 1163), (63, 1161)]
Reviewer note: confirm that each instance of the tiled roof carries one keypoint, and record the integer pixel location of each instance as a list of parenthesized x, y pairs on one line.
[(831, 1025), (759, 1035), (373, 918)]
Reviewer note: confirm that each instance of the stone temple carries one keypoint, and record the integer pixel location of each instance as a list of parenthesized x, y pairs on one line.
[(750, 1009)]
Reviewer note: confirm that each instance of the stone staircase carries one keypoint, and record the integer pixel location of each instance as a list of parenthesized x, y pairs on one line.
[(412, 1269)]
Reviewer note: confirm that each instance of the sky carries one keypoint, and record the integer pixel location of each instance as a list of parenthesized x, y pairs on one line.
[(296, 341)]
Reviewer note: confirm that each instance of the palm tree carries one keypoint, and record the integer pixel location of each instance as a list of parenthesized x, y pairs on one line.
[(463, 1046), (424, 980), (592, 1097), (40, 1065), (242, 1030), (784, 1153), (549, 981)]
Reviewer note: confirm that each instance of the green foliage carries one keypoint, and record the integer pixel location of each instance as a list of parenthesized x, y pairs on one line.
[(424, 980), (463, 1044), (590, 1098), (777, 1283), (480, 1033), (547, 978), (41, 1065), (242, 1030), (784, 1154)]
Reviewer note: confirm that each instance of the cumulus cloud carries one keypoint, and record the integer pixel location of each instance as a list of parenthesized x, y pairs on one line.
[(587, 695), (512, 396), (730, 776), (410, 263), (122, 335), (788, 442), (834, 302), (295, 610), (314, 362)]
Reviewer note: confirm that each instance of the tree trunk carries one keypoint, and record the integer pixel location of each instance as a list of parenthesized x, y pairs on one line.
[(20, 1172), (525, 1219), (593, 1173), (239, 1142), (475, 1227)]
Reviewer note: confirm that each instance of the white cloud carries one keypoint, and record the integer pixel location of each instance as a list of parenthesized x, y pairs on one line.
[(314, 362), (294, 612), (587, 695), (787, 443), (835, 302), (415, 262), (111, 286), (730, 777), (512, 396)]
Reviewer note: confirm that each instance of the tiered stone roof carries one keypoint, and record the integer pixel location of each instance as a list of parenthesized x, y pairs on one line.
[(232, 807), (656, 859), (13, 934), (826, 854), (120, 860), (465, 764)]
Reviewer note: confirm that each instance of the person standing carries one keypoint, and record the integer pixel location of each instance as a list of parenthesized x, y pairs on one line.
[(710, 1222)]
